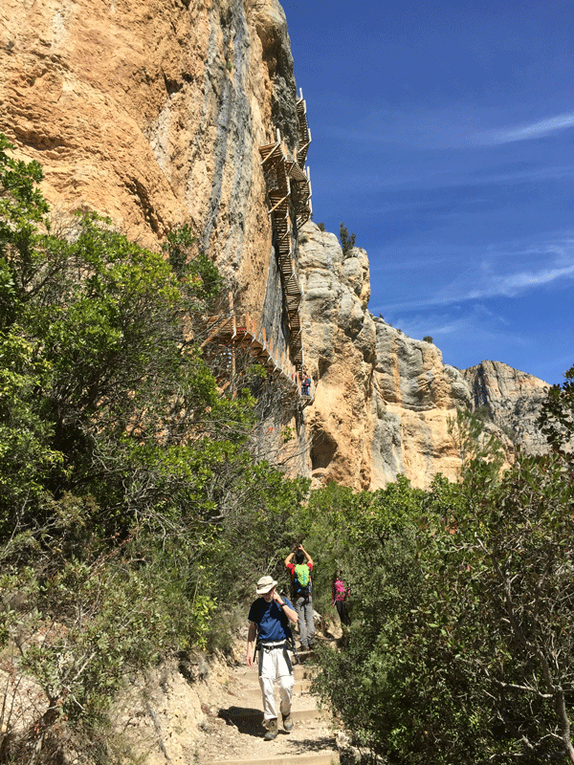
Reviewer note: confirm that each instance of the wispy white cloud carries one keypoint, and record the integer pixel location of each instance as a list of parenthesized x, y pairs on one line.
[(527, 132), (491, 277), (517, 283), (409, 128), (478, 326), (449, 178), (451, 126)]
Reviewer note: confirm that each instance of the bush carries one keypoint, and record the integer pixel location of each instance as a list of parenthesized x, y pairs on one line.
[(132, 515), (347, 240), (460, 645)]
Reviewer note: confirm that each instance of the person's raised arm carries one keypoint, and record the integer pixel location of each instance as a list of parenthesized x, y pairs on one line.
[(291, 614), (289, 558), (308, 558)]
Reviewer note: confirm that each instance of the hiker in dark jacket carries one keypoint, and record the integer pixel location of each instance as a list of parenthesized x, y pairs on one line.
[(269, 621), (302, 595)]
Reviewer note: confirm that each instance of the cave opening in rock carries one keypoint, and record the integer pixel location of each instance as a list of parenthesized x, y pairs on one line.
[(322, 450)]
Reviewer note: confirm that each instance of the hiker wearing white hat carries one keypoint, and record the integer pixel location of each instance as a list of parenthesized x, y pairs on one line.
[(269, 618)]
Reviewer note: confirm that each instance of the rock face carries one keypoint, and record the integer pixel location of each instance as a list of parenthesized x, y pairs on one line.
[(154, 113), (383, 400), (511, 399), (151, 112)]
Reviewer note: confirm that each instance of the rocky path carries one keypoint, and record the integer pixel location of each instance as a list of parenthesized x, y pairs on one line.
[(234, 735)]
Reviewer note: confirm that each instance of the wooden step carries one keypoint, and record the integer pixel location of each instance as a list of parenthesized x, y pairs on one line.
[(293, 302), (295, 322)]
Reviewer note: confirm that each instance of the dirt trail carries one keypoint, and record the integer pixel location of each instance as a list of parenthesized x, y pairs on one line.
[(234, 733)]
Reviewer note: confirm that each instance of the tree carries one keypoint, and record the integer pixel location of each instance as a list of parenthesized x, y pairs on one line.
[(120, 461), (461, 642), (347, 240), (392, 706), (557, 415), (478, 445)]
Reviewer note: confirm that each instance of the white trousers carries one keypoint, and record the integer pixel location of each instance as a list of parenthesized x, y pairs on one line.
[(274, 664)]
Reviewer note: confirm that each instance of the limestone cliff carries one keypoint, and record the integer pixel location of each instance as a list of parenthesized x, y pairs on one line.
[(383, 400), (160, 112), (511, 399), (152, 112)]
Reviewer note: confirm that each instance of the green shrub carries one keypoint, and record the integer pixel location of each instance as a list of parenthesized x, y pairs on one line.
[(347, 240)]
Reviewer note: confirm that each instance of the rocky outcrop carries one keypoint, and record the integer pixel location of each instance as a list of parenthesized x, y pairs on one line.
[(511, 399), (154, 112), (416, 403), (383, 401)]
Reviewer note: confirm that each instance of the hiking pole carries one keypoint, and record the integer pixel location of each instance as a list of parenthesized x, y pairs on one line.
[(291, 643)]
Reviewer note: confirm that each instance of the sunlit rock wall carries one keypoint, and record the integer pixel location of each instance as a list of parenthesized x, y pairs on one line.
[(511, 399), (153, 112), (385, 402)]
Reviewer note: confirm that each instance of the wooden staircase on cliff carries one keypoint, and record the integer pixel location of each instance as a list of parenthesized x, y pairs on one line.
[(242, 333), (289, 191), (289, 207)]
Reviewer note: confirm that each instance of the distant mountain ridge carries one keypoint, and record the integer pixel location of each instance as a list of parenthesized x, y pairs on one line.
[(512, 400)]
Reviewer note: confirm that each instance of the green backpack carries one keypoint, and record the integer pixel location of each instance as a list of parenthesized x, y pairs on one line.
[(301, 581)]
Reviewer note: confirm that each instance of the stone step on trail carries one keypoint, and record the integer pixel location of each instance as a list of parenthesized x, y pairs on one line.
[(326, 758), (248, 714), (310, 742), (302, 688), (247, 719)]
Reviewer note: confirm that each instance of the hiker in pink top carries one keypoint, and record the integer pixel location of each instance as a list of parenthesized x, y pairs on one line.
[(340, 594)]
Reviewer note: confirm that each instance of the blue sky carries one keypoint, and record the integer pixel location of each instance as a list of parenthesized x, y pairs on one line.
[(443, 137)]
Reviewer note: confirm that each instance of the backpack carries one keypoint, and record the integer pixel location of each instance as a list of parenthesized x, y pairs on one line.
[(339, 590), (301, 581)]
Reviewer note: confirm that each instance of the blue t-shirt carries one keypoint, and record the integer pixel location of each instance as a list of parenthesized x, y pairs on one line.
[(272, 622)]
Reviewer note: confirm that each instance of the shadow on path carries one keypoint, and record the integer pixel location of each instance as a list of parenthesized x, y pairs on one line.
[(247, 720), (313, 745)]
